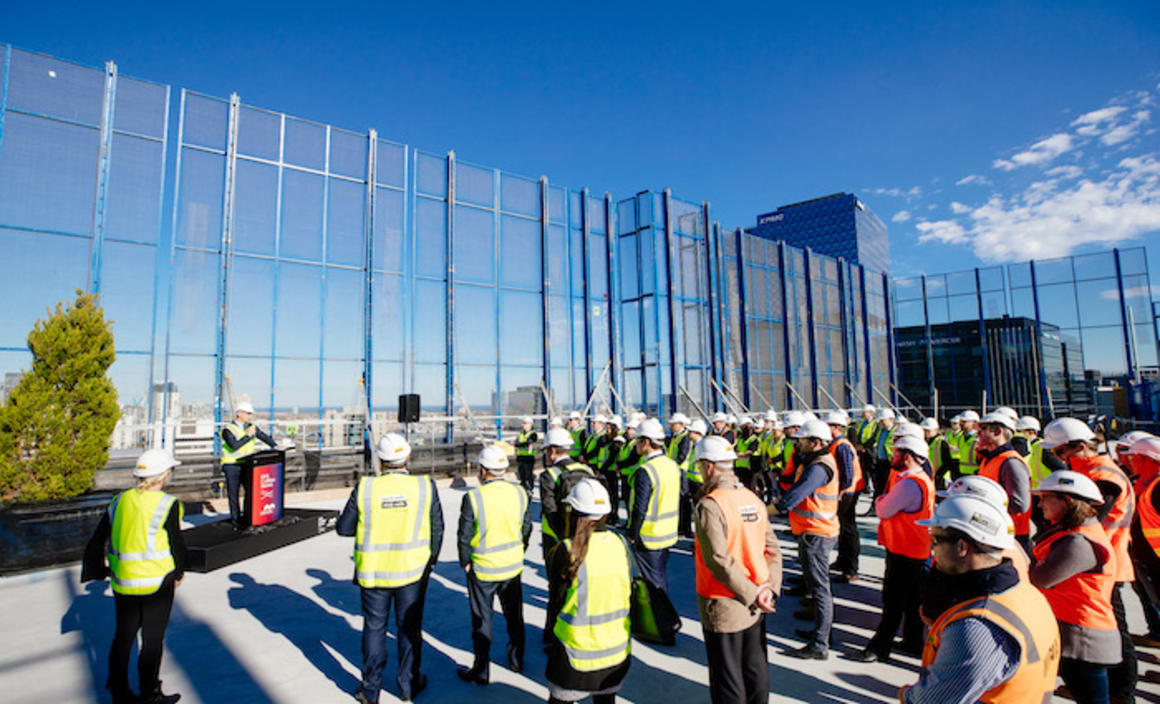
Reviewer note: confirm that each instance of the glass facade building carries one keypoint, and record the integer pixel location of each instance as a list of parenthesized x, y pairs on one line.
[(839, 226)]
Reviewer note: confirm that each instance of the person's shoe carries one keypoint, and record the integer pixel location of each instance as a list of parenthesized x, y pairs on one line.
[(124, 697), (159, 697), (808, 652), (911, 649), (867, 655), (469, 675), (515, 662), (846, 578), (416, 687), (1148, 640), (1063, 691), (364, 699)]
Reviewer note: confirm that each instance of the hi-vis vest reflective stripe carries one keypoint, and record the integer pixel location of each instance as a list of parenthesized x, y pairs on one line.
[(139, 556), (746, 524), (990, 469), (859, 482), (673, 446), (556, 471), (527, 450), (497, 547), (1118, 523), (968, 461), (593, 624), (692, 469), (659, 529), (866, 430), (900, 534), (935, 453), (1039, 470), (393, 538), (1025, 615), (1149, 519), (745, 444), (818, 513), (884, 442), (622, 457), (1085, 599), (232, 456)]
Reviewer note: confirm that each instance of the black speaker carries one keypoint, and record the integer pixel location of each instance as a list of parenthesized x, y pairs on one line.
[(409, 408)]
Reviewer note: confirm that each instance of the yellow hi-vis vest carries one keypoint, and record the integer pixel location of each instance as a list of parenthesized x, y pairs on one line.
[(247, 448), (659, 529), (497, 547), (556, 471), (393, 540), (1039, 470), (968, 459), (139, 556), (593, 624)]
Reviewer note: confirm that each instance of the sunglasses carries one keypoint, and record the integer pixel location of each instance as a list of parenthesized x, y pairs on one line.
[(939, 539)]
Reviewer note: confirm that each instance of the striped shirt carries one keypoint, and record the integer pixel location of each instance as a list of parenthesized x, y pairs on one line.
[(974, 657)]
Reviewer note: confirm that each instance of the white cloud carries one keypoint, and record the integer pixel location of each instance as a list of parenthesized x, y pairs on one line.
[(1089, 123), (973, 178), (1041, 152), (914, 192), (945, 231), (901, 216), (1065, 172), (958, 208), (1124, 132), (1113, 294)]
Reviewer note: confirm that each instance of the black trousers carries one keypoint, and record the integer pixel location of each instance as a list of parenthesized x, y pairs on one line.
[(738, 667), (481, 598), (233, 482), (880, 474), (654, 566), (849, 542), (150, 616), (688, 501), (1122, 677), (526, 465), (900, 589), (376, 607), (611, 481)]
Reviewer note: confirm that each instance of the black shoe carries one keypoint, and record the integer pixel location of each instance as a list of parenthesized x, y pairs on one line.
[(804, 614), (911, 649), (124, 697), (807, 634), (809, 652), (867, 655), (158, 697), (515, 661), (846, 578), (417, 687), (467, 674), (364, 699)]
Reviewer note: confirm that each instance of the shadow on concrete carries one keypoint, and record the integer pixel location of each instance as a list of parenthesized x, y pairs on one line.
[(91, 614), (870, 684)]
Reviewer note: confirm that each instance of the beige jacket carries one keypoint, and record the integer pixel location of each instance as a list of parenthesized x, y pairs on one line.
[(733, 614)]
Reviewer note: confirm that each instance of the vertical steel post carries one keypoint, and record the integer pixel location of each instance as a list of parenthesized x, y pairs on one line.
[(866, 335), (1042, 405), (612, 239), (225, 252), (497, 267), (275, 313), (671, 287), (449, 251), (161, 264), (323, 287), (707, 305), (782, 281), (4, 91), (172, 260), (929, 345), (585, 216), (1128, 356), (844, 320), (813, 354), (983, 336), (891, 357), (104, 154), (742, 315), (545, 291), (369, 288)]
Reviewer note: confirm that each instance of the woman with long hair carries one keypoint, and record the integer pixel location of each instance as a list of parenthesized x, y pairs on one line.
[(589, 583)]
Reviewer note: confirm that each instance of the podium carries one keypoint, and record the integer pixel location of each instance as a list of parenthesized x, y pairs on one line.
[(263, 478)]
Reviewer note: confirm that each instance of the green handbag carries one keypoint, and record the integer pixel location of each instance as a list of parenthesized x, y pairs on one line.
[(651, 613)]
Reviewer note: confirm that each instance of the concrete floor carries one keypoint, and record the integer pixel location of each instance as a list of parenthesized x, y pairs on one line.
[(285, 627)]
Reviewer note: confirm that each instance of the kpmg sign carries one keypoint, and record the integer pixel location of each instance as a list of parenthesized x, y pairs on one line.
[(770, 218)]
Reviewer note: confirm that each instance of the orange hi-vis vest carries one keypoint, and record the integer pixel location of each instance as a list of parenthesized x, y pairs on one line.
[(818, 512), (1118, 522), (990, 469), (1019, 559), (900, 534), (1025, 615), (788, 474), (859, 482), (746, 524), (1146, 513), (1084, 600)]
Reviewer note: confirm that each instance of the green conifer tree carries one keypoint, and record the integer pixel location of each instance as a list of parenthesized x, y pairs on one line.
[(55, 426)]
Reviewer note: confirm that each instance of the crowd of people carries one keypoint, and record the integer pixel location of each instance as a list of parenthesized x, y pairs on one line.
[(1008, 549)]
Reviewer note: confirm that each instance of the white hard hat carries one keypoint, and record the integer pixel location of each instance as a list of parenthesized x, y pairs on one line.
[(1146, 447), (1027, 423), (968, 416), (1125, 441), (153, 463), (615, 420), (836, 418), (746, 420), (393, 448), (1007, 411), (814, 429), (983, 488), (574, 415), (1062, 431), (713, 448), (884, 414), (771, 416), (493, 459), (1065, 481), (652, 429), (698, 426), (633, 424), (869, 408), (794, 419), (556, 422), (720, 417), (957, 418), (732, 419), (527, 419), (638, 416), (558, 437), (245, 407), (590, 498), (679, 418), (928, 424), (997, 418), (809, 415), (598, 418), (981, 520), (906, 429), (913, 445)]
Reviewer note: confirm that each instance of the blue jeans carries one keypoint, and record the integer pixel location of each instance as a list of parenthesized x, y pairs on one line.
[(814, 556), (1088, 682), (376, 606)]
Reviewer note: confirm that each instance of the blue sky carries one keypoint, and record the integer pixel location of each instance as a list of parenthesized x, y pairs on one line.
[(978, 131)]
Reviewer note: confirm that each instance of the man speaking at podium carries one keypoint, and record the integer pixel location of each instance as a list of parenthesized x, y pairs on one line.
[(239, 441)]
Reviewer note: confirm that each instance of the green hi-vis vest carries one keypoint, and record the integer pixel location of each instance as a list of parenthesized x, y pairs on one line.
[(968, 461), (935, 452), (866, 430), (139, 556), (692, 469), (555, 472), (624, 454), (673, 446), (593, 624), (1039, 471), (527, 450), (247, 448), (393, 539), (497, 547), (659, 529), (743, 445), (576, 433)]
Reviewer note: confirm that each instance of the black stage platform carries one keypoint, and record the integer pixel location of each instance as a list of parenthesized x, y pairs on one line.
[(215, 545)]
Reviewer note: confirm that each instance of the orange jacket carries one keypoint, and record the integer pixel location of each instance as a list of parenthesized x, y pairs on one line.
[(859, 482), (746, 523), (1118, 522), (1085, 599), (900, 534), (990, 470), (818, 513)]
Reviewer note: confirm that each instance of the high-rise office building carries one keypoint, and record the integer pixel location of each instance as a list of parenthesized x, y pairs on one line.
[(838, 225)]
